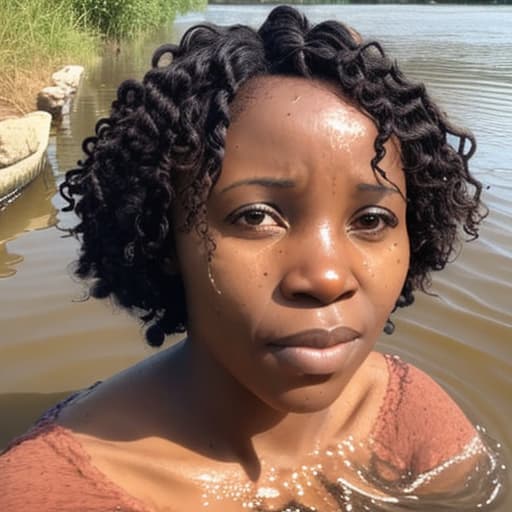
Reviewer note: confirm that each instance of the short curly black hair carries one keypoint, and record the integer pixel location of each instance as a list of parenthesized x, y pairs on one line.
[(164, 141)]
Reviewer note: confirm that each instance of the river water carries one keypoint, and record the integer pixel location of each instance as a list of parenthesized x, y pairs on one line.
[(51, 341)]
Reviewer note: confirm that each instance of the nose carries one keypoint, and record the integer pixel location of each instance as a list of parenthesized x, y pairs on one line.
[(319, 274)]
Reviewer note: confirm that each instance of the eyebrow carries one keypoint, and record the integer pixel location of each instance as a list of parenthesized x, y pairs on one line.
[(286, 183), (379, 188), (262, 182)]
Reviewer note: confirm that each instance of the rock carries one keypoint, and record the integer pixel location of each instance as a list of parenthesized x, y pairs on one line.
[(57, 99), (69, 76), (31, 131), (18, 140), (53, 100)]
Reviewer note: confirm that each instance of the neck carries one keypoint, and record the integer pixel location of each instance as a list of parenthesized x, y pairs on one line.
[(236, 425)]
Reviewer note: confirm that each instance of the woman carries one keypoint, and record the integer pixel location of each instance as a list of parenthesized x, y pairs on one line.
[(277, 194)]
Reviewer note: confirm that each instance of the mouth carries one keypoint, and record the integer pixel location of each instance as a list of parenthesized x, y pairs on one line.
[(318, 338), (315, 351)]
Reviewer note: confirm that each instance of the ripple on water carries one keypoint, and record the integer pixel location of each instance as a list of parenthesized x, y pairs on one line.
[(331, 480)]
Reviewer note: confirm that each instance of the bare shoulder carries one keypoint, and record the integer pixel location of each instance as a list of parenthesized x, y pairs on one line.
[(127, 428), (108, 409), (98, 410), (127, 421)]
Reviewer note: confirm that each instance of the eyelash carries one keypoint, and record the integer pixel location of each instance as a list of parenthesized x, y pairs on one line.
[(263, 208), (384, 216)]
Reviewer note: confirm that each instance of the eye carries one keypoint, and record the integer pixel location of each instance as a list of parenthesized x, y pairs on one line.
[(372, 223), (257, 215)]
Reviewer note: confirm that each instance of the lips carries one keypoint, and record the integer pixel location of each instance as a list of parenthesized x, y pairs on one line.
[(318, 338), (315, 351)]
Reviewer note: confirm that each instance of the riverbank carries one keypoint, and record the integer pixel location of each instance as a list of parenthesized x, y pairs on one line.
[(18, 91), (39, 36)]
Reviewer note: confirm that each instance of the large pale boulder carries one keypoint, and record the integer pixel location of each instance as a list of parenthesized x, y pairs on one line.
[(18, 139), (68, 76), (36, 131)]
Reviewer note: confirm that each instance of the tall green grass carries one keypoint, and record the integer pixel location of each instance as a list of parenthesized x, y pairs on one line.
[(127, 18), (36, 36), (49, 29)]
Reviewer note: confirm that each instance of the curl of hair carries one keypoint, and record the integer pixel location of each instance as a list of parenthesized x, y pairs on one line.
[(164, 141)]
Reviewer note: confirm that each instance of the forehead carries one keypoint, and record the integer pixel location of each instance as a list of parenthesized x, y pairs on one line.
[(284, 94), (289, 122), (273, 110)]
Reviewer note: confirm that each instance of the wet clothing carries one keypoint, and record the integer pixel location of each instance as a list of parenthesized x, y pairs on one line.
[(47, 470)]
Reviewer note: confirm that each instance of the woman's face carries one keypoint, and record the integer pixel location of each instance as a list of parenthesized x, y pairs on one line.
[(311, 249)]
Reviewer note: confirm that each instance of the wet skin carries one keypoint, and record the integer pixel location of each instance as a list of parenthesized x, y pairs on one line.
[(311, 252), (311, 248)]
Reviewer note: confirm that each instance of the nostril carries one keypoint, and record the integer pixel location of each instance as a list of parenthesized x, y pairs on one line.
[(347, 295), (318, 283), (305, 298), (315, 299)]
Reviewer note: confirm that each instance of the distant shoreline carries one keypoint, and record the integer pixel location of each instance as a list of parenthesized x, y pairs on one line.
[(362, 2)]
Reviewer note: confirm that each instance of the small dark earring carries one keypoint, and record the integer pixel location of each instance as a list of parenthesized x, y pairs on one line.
[(155, 335), (389, 328)]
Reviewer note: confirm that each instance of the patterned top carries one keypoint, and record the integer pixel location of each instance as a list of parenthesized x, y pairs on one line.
[(417, 429)]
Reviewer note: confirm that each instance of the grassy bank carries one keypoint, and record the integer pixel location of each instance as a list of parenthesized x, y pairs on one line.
[(118, 19), (38, 36)]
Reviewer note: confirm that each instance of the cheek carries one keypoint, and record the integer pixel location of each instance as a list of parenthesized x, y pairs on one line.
[(234, 288), (396, 263), (385, 270), (243, 276)]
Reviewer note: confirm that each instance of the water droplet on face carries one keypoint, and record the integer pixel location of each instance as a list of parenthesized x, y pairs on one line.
[(267, 492), (212, 280)]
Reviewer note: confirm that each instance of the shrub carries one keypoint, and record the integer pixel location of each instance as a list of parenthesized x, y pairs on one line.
[(126, 18)]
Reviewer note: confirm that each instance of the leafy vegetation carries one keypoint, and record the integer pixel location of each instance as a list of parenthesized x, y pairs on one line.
[(126, 18), (37, 36)]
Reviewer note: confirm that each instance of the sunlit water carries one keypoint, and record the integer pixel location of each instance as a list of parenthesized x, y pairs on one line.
[(52, 342)]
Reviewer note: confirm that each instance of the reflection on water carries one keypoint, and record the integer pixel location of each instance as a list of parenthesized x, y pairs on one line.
[(98, 90), (50, 341), (23, 409), (334, 479), (31, 211)]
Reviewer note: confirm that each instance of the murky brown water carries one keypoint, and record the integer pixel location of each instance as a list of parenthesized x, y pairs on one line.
[(52, 342)]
